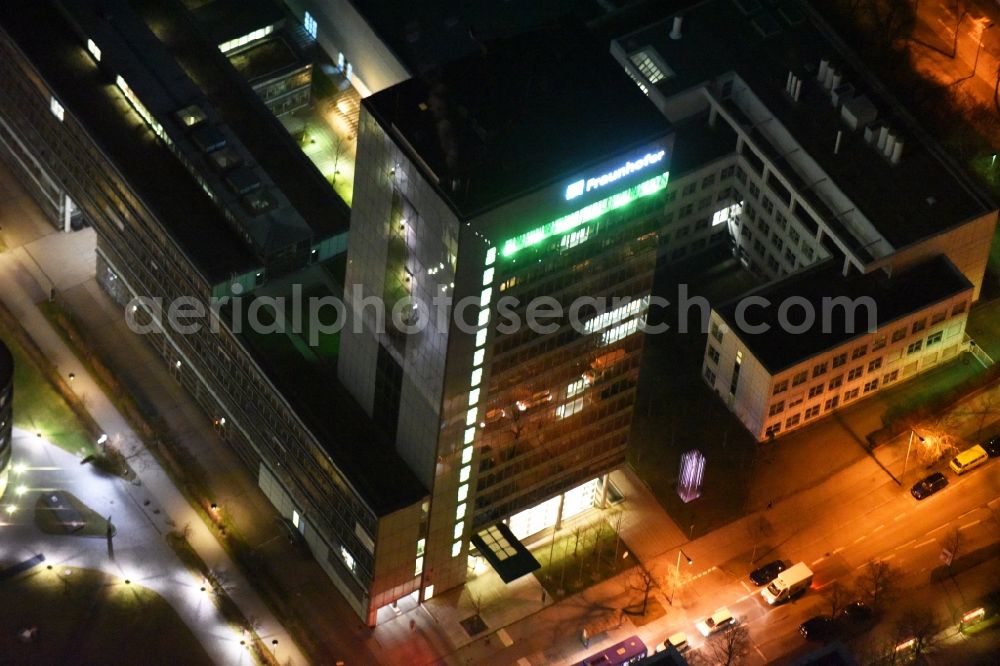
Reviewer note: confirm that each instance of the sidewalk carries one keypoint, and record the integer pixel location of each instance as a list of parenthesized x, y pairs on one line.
[(140, 552), (22, 292)]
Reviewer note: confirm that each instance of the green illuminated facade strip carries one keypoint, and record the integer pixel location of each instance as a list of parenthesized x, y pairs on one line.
[(586, 214)]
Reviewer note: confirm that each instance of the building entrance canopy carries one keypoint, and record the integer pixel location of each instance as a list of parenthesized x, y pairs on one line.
[(504, 552)]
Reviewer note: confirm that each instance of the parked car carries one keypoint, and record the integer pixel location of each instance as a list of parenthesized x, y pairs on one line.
[(718, 621), (678, 641), (969, 459), (992, 446), (856, 612), (928, 485), (765, 574), (817, 628)]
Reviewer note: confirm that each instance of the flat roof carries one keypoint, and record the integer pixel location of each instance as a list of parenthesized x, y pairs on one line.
[(258, 129), (222, 20), (517, 115), (445, 30), (154, 173), (761, 42), (266, 59), (307, 377), (919, 287)]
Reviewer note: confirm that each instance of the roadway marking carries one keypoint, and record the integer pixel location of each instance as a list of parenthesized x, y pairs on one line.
[(972, 524), (817, 561), (504, 637), (968, 512), (859, 539), (877, 529), (929, 541), (911, 541), (757, 650), (939, 527), (889, 557), (745, 586), (703, 573), (900, 516), (838, 550)]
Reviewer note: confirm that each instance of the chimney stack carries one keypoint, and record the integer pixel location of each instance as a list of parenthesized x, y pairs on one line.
[(676, 32)]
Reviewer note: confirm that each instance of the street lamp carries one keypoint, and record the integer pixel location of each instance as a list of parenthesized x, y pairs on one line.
[(689, 561), (908, 446), (983, 27)]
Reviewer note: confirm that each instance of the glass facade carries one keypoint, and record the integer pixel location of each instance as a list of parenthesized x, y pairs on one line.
[(557, 408)]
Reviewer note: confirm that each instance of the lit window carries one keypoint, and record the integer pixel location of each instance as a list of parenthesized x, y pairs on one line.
[(487, 276), (419, 567), (467, 455), (348, 559), (486, 296), (463, 474), (491, 255), (463, 492), (652, 71), (575, 238), (481, 336), (575, 387), (310, 25), (473, 397), (570, 408), (57, 109), (470, 416), (621, 331), (484, 317), (477, 376), (456, 550), (94, 50), (603, 320), (477, 358), (460, 512), (470, 434), (459, 528)]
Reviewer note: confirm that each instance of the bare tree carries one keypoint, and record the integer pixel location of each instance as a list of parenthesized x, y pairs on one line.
[(731, 646), (837, 596), (921, 625), (878, 582), (642, 580)]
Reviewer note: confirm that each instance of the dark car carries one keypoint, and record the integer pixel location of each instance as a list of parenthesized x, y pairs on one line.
[(929, 485), (767, 573), (992, 446), (857, 612), (817, 628)]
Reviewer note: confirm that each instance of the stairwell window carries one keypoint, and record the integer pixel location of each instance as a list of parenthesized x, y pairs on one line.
[(650, 66)]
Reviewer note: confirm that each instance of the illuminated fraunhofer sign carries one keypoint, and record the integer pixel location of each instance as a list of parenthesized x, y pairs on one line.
[(587, 184)]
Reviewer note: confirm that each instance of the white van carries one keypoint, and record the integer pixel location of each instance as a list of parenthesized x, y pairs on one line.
[(971, 458)]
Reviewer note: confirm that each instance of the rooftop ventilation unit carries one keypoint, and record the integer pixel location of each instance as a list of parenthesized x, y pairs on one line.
[(675, 33), (859, 112)]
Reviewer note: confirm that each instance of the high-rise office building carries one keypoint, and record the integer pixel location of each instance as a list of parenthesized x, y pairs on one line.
[(530, 172)]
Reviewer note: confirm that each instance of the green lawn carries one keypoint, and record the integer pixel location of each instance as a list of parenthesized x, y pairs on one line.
[(984, 322), (88, 617), (38, 407), (580, 557)]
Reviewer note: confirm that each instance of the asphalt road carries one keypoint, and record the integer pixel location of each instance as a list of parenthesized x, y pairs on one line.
[(837, 542)]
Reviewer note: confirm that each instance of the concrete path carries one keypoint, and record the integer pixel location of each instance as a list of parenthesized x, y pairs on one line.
[(141, 555), (27, 276)]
